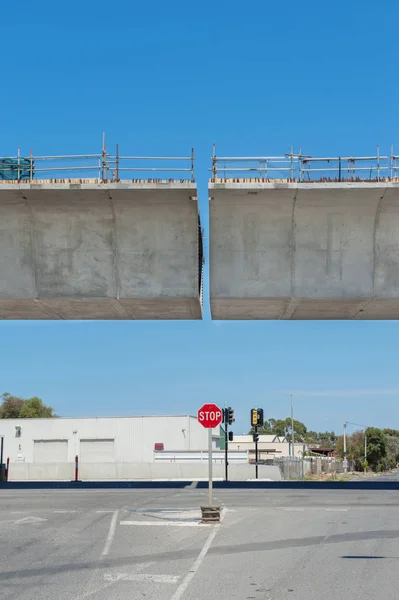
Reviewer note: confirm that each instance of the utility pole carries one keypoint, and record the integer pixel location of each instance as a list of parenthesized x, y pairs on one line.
[(345, 462), (292, 429), (365, 446)]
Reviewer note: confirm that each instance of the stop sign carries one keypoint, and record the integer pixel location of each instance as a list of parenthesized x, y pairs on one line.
[(210, 415)]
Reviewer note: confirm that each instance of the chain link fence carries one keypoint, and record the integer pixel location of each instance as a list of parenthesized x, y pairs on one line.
[(300, 468)]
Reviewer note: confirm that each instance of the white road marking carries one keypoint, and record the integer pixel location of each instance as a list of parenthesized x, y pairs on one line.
[(141, 577), (164, 523), (27, 520), (24, 521), (62, 512), (192, 486), (190, 575), (111, 534), (223, 513), (291, 509), (336, 509)]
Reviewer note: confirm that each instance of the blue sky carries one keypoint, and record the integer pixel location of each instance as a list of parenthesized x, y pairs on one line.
[(159, 78)]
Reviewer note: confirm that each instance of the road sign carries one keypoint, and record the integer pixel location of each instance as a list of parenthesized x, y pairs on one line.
[(210, 416)]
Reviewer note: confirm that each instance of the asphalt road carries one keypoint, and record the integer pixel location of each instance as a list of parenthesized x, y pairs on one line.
[(128, 544)]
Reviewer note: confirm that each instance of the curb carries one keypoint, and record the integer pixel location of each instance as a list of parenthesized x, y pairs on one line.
[(261, 485)]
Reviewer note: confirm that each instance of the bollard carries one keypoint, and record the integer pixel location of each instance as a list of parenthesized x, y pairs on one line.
[(76, 469)]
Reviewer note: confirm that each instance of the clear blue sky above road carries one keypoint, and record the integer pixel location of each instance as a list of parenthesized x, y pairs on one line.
[(159, 78)]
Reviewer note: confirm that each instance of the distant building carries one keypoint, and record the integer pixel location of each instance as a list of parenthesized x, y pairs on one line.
[(269, 446)]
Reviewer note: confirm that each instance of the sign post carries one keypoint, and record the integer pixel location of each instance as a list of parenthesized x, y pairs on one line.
[(210, 416), (210, 466)]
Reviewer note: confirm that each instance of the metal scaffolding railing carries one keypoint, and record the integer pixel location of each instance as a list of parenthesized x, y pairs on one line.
[(297, 167), (102, 167)]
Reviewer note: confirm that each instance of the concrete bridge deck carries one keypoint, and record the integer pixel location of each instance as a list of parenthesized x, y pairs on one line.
[(100, 251), (304, 250)]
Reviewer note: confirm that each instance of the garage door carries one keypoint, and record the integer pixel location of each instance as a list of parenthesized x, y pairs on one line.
[(50, 451), (98, 451)]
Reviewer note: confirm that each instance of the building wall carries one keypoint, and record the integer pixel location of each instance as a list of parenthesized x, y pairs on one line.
[(266, 446), (134, 436)]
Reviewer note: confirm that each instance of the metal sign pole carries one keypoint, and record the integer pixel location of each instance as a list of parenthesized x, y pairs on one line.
[(210, 465), (226, 445), (256, 453)]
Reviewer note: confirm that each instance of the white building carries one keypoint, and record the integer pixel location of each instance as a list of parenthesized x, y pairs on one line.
[(101, 439), (269, 446)]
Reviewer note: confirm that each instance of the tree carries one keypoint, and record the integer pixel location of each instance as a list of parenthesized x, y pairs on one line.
[(11, 406), (286, 428), (283, 427), (19, 408), (392, 436), (325, 439), (376, 447), (33, 408), (354, 448)]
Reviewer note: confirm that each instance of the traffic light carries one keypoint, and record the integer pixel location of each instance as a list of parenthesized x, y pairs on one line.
[(230, 415), (255, 437), (230, 436), (257, 417)]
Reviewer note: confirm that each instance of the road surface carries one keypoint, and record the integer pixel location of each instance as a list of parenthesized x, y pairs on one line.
[(128, 544)]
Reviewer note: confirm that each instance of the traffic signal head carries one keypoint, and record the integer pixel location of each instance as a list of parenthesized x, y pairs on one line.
[(257, 417), (230, 436), (230, 415), (255, 437)]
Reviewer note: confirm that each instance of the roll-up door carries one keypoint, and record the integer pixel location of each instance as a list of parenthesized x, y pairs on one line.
[(46, 451), (97, 451)]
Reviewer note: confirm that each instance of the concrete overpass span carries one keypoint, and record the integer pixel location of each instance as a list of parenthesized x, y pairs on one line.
[(324, 247), (99, 248)]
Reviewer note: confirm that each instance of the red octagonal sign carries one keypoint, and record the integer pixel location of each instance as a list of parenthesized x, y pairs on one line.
[(210, 415)]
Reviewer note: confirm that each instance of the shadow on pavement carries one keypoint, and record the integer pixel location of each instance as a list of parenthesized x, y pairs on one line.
[(193, 553)]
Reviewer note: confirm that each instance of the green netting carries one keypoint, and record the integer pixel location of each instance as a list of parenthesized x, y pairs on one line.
[(14, 169)]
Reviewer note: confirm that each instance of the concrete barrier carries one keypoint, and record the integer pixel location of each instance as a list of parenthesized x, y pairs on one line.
[(304, 251), (41, 471), (135, 471), (100, 251)]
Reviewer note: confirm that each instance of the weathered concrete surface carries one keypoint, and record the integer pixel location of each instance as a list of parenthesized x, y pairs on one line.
[(99, 251), (129, 544), (304, 251)]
